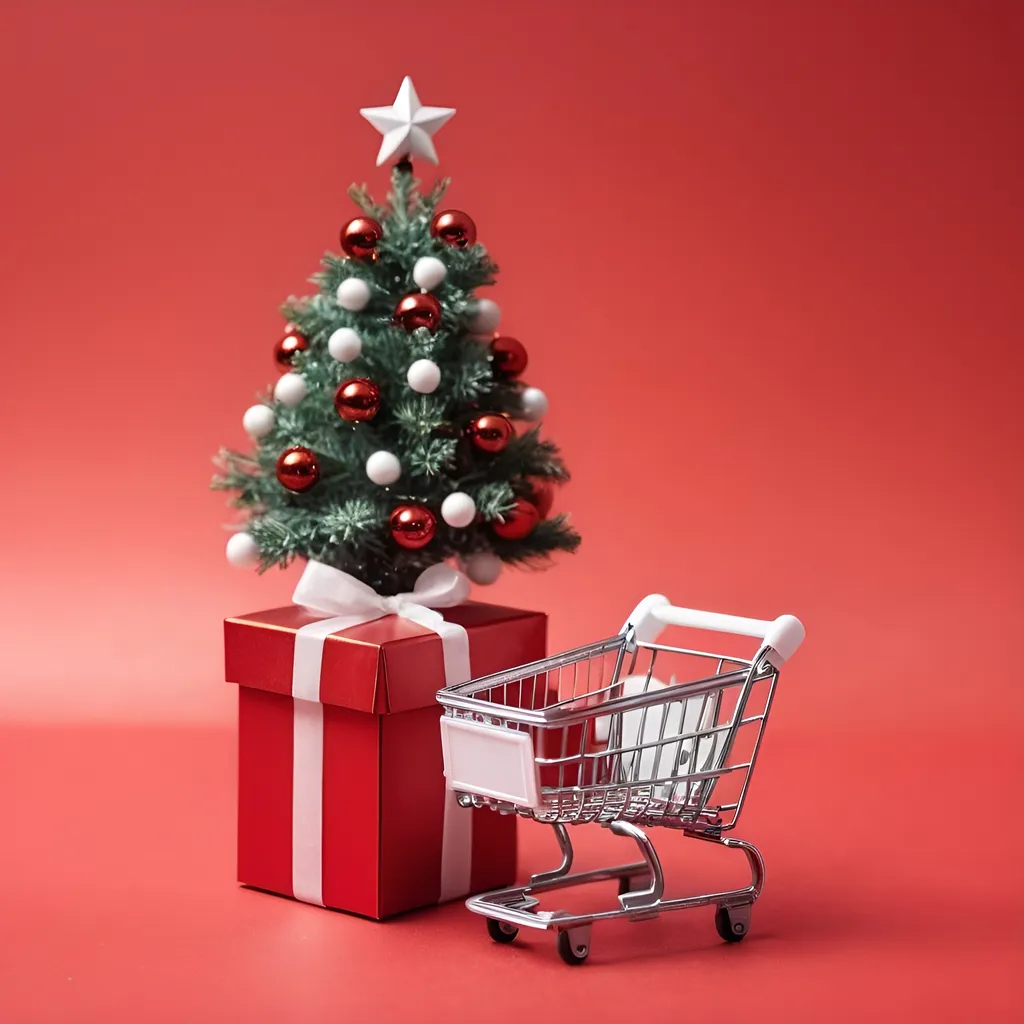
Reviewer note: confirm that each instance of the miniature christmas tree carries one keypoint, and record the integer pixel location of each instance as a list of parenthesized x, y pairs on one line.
[(389, 443)]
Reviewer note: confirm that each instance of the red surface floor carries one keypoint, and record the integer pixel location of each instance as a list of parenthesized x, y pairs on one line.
[(893, 893)]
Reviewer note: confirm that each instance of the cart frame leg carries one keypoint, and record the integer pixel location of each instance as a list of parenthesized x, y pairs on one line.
[(565, 845), (649, 898)]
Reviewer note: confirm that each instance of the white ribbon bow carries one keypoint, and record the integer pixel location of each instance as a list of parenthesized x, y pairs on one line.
[(350, 602), (322, 588)]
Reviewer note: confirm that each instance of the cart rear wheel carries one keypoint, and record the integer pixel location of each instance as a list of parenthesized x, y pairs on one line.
[(501, 931), (572, 950), (732, 927)]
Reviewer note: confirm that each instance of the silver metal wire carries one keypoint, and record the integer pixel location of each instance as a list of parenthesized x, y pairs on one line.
[(614, 743)]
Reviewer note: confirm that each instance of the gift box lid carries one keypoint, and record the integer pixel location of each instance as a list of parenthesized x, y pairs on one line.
[(385, 666)]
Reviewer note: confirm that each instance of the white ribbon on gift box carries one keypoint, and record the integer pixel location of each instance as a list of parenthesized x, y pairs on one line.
[(350, 602)]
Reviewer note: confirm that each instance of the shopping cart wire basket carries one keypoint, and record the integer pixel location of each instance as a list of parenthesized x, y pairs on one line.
[(596, 734)]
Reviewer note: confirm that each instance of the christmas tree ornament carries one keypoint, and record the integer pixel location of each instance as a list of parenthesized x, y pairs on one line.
[(490, 432), (286, 348), (345, 345), (357, 400), (359, 237), (518, 523), (291, 389), (542, 496), (418, 309), (424, 376), (482, 567), (407, 125), (412, 526), (534, 403), (458, 509), (258, 420), (454, 228), (383, 468), (484, 317), (298, 469), (428, 272), (508, 356), (242, 551), (353, 294)]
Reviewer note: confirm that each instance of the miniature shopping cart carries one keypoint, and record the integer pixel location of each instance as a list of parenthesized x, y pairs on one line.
[(596, 734)]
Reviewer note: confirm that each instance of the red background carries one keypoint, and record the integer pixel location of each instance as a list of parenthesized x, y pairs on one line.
[(764, 257)]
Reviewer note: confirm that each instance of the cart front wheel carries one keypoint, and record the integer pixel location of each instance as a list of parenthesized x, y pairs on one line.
[(732, 923), (501, 931), (573, 948)]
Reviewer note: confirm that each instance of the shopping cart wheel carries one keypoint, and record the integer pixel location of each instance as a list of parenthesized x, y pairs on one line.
[(501, 931), (574, 945), (732, 923)]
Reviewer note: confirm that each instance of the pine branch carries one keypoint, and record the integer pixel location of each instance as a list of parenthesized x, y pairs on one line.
[(431, 457), (428, 203), (548, 536), (362, 198), (494, 500), (420, 415), (353, 520)]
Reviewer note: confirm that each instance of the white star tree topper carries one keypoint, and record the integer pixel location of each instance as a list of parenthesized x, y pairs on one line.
[(407, 125)]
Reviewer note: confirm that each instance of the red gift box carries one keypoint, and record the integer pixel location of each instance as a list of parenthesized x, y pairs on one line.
[(342, 800)]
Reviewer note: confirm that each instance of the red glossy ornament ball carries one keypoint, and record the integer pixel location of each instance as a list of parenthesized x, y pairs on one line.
[(418, 309), (359, 237), (412, 526), (518, 523), (542, 496), (298, 469), (509, 356), (357, 400), (453, 227), (286, 348), (491, 432)]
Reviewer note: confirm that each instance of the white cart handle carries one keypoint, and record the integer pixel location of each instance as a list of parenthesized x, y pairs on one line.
[(783, 635)]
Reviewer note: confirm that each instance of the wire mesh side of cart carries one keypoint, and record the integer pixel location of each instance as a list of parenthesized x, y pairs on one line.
[(624, 730)]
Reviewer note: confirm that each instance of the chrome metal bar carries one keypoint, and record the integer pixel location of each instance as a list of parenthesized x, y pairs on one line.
[(542, 665), (565, 845), (649, 898), (757, 747), (648, 645), (515, 905)]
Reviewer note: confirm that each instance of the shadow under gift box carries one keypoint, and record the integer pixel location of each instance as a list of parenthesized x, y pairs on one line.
[(383, 787)]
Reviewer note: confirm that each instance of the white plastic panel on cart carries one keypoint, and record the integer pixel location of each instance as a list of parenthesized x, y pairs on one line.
[(491, 761)]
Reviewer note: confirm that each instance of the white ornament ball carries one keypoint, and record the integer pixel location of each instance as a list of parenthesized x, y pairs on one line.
[(458, 509), (291, 389), (483, 567), (258, 420), (353, 294), (429, 272), (424, 375), (485, 317), (345, 345), (383, 468), (243, 552), (535, 403)]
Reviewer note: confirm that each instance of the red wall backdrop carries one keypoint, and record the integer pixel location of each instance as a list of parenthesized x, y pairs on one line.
[(765, 258)]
